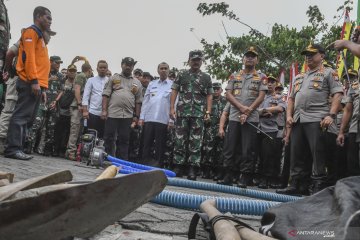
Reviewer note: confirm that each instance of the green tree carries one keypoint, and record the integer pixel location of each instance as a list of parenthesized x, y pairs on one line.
[(277, 51)]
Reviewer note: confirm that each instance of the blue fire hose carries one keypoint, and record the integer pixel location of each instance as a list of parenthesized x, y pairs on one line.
[(232, 190), (233, 205), (115, 161)]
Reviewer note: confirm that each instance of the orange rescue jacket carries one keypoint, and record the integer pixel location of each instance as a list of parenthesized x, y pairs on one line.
[(33, 60)]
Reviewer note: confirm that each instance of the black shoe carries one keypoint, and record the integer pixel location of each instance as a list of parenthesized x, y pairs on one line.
[(244, 180), (178, 170), (19, 155), (263, 183), (192, 174), (206, 172), (219, 175), (228, 179)]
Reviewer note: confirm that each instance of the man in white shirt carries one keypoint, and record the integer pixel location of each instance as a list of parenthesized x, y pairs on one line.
[(155, 118), (92, 98)]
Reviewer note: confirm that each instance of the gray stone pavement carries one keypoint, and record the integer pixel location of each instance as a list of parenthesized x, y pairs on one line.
[(150, 221)]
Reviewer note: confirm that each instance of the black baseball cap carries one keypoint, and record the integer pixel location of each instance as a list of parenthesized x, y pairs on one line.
[(128, 60)]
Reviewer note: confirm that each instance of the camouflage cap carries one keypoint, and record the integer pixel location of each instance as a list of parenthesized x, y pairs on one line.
[(216, 85), (72, 67), (195, 54), (312, 49), (56, 59), (251, 50), (128, 60)]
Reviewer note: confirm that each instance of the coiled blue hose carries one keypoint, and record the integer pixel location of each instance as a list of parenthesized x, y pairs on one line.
[(232, 190), (233, 205), (126, 169), (139, 166)]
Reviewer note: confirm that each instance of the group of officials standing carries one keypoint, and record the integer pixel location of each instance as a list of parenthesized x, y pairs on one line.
[(251, 135)]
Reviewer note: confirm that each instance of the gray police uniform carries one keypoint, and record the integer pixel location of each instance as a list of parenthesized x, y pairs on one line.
[(353, 168), (311, 92), (245, 88), (270, 149), (123, 93)]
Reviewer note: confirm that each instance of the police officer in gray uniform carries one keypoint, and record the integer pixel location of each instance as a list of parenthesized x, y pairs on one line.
[(309, 114), (269, 111), (351, 115), (245, 91)]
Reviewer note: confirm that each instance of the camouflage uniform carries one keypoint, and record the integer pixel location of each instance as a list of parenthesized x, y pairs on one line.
[(51, 114), (33, 134), (4, 40), (212, 143), (193, 89)]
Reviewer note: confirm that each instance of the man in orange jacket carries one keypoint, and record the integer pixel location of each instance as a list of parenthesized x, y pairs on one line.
[(33, 67)]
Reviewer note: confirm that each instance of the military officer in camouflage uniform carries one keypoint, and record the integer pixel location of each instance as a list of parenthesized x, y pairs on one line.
[(309, 114), (212, 143), (4, 41), (195, 92), (351, 116), (55, 83), (245, 91)]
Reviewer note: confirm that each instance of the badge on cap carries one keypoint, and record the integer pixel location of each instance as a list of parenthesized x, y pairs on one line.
[(316, 85)]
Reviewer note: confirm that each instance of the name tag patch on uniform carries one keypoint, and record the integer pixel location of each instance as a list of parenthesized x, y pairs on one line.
[(116, 81)]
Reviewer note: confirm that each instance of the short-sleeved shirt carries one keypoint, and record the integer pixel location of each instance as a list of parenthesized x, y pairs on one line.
[(227, 107), (246, 88), (353, 97), (124, 93), (270, 124), (193, 89), (80, 80), (311, 91)]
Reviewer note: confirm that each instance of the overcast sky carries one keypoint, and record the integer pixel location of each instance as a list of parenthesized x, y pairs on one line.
[(152, 31)]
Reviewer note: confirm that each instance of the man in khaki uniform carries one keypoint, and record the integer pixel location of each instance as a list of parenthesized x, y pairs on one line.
[(309, 115), (245, 91), (122, 97), (76, 110)]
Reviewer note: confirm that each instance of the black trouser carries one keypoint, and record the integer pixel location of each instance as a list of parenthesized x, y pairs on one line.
[(95, 122), (154, 131), (240, 137), (335, 158), (62, 132), (117, 129), (22, 118), (307, 139), (353, 163), (270, 155)]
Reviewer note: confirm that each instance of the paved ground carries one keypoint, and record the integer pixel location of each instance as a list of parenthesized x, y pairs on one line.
[(151, 221)]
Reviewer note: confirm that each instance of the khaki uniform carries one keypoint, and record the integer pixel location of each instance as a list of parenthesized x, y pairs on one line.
[(123, 93), (75, 118), (245, 88), (311, 92)]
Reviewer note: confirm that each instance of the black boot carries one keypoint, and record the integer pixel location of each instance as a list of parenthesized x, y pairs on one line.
[(292, 189), (178, 170), (206, 172), (219, 174), (317, 186), (264, 183), (228, 178), (245, 180), (192, 174)]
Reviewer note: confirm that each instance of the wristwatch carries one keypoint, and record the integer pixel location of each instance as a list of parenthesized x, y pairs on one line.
[(332, 115)]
